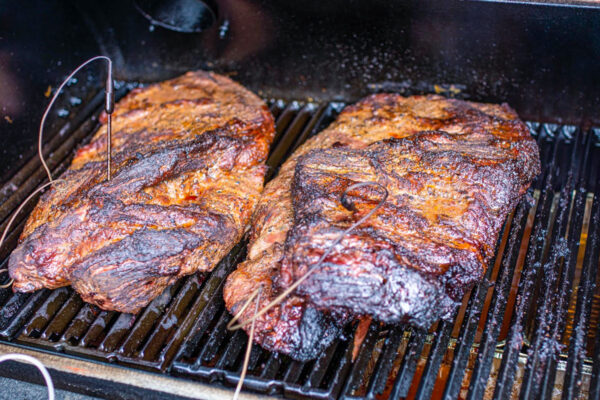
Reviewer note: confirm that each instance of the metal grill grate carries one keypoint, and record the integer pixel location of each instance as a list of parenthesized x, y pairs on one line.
[(533, 321)]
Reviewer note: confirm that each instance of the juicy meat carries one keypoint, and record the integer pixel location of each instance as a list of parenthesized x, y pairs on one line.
[(413, 260), (188, 168), (302, 326)]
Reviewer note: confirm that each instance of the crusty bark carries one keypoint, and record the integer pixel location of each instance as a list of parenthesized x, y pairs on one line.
[(188, 168), (302, 328)]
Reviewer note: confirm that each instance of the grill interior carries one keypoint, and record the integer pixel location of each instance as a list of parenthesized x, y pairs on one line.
[(533, 321)]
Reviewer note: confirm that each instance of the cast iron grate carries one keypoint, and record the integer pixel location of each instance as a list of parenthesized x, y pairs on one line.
[(532, 321)]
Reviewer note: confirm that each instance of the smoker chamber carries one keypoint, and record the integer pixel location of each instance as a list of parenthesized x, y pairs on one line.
[(532, 320), (529, 330)]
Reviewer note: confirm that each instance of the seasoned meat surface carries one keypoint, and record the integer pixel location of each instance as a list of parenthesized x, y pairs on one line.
[(187, 171), (298, 327), (413, 260)]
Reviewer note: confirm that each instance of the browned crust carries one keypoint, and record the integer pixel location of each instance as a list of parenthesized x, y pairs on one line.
[(375, 118), (448, 197), (188, 168)]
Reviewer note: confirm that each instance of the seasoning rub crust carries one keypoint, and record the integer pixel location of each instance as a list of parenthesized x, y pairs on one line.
[(188, 167), (454, 170)]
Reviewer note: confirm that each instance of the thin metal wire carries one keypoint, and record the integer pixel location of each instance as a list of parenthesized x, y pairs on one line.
[(37, 363), (6, 285), (239, 313), (298, 282), (257, 293), (238, 388), (108, 106)]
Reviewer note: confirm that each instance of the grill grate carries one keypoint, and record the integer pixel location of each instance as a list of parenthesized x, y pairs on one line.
[(533, 319)]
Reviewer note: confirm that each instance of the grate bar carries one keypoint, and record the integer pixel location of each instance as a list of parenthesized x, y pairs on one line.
[(320, 368), (293, 372), (530, 274), (276, 106), (543, 344), (385, 362), (205, 306), (169, 318), (272, 366), (255, 356), (187, 322), (471, 320), (199, 329), (211, 347), (63, 317), (577, 350), (356, 377), (233, 351), (97, 328), (291, 133), (342, 368), (146, 321), (409, 363), (51, 305), (80, 324), (117, 332), (434, 360), (311, 128), (465, 340), (573, 235), (22, 305), (495, 316), (284, 118)]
